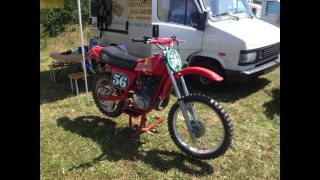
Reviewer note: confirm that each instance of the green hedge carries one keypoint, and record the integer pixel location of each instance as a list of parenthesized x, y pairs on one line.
[(54, 21)]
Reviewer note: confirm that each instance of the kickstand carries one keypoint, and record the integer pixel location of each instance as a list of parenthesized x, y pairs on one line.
[(142, 128)]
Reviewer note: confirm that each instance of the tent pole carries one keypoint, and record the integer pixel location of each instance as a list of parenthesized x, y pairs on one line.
[(83, 58)]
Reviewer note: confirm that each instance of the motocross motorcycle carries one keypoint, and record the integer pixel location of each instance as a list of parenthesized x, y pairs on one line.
[(197, 123)]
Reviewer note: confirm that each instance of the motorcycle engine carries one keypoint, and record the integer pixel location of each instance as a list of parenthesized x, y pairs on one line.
[(147, 87)]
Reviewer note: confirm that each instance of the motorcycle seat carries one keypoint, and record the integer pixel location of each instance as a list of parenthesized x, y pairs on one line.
[(117, 58)]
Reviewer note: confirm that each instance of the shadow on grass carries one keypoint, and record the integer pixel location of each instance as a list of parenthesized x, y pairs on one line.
[(232, 91), (50, 92), (165, 160), (273, 106), (116, 145)]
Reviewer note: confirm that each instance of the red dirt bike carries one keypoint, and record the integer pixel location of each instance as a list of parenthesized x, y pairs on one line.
[(198, 125)]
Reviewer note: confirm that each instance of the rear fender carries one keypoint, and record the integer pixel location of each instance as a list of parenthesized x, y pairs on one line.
[(187, 71), (94, 53)]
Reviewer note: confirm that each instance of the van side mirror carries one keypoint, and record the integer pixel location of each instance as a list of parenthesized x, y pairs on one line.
[(202, 21)]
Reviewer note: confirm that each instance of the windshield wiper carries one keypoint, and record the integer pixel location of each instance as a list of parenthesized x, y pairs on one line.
[(250, 16), (226, 14)]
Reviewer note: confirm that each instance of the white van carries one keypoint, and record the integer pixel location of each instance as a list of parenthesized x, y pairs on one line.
[(270, 11), (223, 35), (256, 8)]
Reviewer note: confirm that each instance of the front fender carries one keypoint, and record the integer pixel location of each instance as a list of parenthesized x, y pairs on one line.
[(187, 71), (200, 71)]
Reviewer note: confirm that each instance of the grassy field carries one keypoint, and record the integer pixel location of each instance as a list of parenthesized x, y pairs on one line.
[(78, 142)]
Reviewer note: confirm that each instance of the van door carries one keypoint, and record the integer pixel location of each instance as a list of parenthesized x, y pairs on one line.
[(129, 19), (94, 5), (180, 19), (118, 19), (271, 12)]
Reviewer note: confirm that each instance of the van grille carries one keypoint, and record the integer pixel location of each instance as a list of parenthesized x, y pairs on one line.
[(266, 52)]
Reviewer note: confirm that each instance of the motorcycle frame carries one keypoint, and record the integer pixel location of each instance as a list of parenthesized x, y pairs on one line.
[(168, 80)]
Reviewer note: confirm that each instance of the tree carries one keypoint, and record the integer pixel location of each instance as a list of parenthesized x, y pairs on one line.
[(54, 21)]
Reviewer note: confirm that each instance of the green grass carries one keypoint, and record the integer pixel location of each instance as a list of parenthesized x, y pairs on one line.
[(78, 142)]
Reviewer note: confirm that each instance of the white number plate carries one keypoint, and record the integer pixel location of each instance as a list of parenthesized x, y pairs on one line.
[(120, 79)]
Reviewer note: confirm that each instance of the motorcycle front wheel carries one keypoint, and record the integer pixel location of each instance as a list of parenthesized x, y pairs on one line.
[(211, 126)]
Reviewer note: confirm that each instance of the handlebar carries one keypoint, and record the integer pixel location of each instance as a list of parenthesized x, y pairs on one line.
[(137, 40), (162, 41), (144, 39)]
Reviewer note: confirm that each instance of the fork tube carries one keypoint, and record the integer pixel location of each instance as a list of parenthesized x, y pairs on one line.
[(184, 86), (182, 105), (186, 92), (174, 83)]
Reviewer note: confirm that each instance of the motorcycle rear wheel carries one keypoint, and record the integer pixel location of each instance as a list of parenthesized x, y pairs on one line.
[(213, 127), (101, 85)]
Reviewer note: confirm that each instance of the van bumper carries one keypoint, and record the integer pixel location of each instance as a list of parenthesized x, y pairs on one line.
[(252, 74)]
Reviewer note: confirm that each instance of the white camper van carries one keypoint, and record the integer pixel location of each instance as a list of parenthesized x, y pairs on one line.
[(256, 8), (221, 35), (269, 10)]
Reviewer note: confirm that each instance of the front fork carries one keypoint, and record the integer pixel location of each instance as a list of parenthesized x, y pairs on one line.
[(182, 105)]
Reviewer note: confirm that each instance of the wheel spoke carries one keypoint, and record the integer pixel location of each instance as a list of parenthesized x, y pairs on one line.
[(103, 87), (206, 140), (211, 126)]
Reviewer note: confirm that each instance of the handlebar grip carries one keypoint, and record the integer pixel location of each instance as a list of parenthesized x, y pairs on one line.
[(138, 40)]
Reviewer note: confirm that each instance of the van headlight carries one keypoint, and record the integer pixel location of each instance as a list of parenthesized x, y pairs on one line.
[(247, 57)]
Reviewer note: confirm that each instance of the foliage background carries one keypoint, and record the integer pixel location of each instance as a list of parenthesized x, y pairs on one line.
[(55, 21), (44, 4)]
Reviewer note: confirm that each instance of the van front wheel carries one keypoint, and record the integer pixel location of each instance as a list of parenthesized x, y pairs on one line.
[(205, 83)]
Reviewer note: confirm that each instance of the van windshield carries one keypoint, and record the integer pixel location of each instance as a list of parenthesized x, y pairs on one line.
[(220, 10)]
